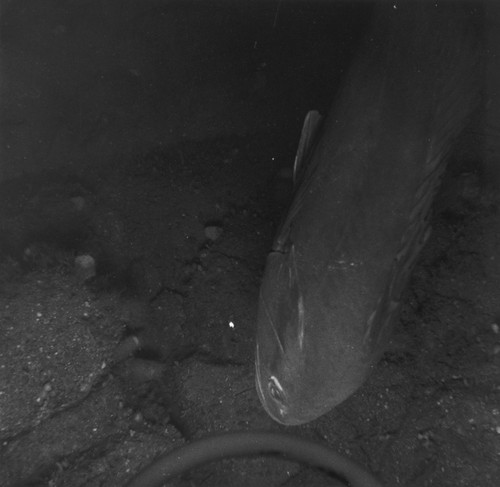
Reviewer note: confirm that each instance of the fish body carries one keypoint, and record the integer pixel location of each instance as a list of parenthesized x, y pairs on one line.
[(331, 290)]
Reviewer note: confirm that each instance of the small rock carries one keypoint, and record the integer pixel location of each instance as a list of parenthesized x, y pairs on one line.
[(213, 232), (78, 203), (126, 348), (135, 315), (85, 267), (144, 278), (139, 371)]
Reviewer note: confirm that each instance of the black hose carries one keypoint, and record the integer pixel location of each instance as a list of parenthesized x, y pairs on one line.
[(245, 443)]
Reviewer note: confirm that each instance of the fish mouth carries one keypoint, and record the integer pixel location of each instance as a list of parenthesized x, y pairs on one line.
[(271, 393), (275, 398), (276, 409), (277, 412)]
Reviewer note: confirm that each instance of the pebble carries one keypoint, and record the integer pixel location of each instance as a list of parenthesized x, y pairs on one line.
[(213, 232), (78, 203), (126, 348), (145, 278), (85, 267), (143, 370)]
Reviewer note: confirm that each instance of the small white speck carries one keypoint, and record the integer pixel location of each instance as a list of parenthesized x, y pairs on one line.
[(231, 324)]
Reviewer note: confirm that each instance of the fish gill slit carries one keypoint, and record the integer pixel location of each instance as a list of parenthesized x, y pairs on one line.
[(300, 302), (301, 310), (273, 327), (413, 240)]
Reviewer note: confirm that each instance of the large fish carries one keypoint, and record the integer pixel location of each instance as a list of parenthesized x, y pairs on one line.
[(360, 214)]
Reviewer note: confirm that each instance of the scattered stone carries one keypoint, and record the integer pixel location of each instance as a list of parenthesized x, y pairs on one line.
[(78, 203), (138, 371), (85, 267), (135, 315), (45, 255), (213, 232), (126, 348), (144, 278)]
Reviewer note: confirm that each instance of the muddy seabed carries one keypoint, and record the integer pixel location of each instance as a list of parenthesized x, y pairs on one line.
[(76, 413), (180, 233)]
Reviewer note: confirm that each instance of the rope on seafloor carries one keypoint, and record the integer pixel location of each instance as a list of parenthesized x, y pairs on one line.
[(246, 443)]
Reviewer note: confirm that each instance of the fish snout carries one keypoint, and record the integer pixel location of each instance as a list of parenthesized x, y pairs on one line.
[(272, 396)]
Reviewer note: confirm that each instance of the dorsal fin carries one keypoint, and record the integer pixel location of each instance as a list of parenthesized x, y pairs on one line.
[(310, 129)]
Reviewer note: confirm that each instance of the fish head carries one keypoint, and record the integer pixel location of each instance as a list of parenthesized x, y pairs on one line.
[(306, 362)]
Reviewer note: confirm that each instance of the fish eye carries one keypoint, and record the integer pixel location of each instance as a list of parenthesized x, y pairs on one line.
[(275, 390)]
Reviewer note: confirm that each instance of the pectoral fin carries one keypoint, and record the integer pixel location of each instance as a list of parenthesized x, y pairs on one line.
[(308, 135)]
